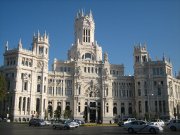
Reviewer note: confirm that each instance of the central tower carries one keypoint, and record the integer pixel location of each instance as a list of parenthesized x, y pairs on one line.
[(85, 47), (84, 28)]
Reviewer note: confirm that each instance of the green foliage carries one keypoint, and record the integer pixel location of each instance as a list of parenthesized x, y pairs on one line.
[(57, 112), (3, 87), (67, 114), (50, 111)]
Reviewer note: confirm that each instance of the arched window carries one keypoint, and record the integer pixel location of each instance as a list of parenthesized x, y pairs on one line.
[(122, 110), (88, 56), (115, 111)]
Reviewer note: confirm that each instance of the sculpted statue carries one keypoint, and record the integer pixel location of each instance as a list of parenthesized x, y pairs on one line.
[(105, 57)]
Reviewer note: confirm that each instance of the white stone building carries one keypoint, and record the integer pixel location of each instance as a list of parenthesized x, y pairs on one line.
[(86, 84)]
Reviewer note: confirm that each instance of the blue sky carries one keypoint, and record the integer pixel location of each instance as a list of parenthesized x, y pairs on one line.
[(119, 25)]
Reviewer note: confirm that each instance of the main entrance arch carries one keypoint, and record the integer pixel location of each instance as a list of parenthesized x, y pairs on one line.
[(92, 111)]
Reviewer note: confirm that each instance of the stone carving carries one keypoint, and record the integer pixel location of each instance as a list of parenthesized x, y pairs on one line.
[(78, 71), (92, 91), (106, 57), (40, 64)]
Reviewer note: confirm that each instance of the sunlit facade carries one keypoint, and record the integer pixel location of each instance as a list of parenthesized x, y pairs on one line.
[(86, 84)]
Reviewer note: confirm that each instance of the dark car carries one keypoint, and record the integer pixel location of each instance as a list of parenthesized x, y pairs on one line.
[(121, 122), (37, 122)]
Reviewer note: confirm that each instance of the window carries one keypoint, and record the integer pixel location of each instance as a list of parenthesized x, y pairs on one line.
[(107, 109), (20, 98), (44, 88), (24, 103), (137, 58), (79, 107), (140, 108), (39, 78), (144, 58), (146, 106), (38, 88), (164, 106), (139, 92), (159, 91), (46, 50), (37, 104), (25, 85), (41, 50)]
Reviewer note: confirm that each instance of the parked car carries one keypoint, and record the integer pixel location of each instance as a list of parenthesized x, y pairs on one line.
[(174, 125), (157, 122), (37, 122), (63, 124), (47, 122), (139, 126), (129, 120), (121, 122), (80, 122), (73, 122)]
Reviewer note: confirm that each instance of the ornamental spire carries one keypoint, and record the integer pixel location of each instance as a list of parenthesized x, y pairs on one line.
[(20, 43)]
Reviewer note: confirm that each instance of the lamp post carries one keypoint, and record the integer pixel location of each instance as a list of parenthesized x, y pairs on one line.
[(149, 105)]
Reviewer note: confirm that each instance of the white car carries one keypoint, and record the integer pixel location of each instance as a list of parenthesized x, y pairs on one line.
[(174, 125), (73, 123), (47, 122), (139, 126), (158, 122), (129, 120), (62, 124)]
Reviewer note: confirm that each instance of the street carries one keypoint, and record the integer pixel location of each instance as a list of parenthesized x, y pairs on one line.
[(24, 129)]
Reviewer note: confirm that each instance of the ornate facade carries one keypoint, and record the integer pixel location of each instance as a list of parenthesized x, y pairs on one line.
[(86, 84)]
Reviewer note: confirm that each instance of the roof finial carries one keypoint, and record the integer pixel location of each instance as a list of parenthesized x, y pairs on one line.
[(45, 35), (82, 12), (6, 46), (38, 33), (20, 43), (163, 57), (90, 13)]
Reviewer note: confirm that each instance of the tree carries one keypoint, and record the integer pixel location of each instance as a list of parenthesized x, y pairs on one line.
[(3, 87), (50, 111), (57, 112), (67, 113)]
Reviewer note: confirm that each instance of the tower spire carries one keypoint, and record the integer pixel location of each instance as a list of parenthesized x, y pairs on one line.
[(20, 43), (6, 46), (90, 14)]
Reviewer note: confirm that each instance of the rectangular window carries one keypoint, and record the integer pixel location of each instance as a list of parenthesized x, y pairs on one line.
[(37, 104), (140, 108), (44, 88), (79, 108), (146, 106), (38, 88), (25, 85), (107, 109), (164, 106), (139, 92)]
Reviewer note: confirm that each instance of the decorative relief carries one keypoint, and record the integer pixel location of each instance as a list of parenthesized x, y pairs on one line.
[(92, 90), (40, 64)]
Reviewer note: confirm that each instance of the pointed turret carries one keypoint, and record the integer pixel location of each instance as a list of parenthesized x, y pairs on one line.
[(82, 12), (38, 34), (6, 46), (20, 44), (90, 14)]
